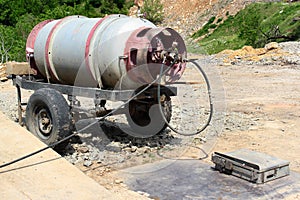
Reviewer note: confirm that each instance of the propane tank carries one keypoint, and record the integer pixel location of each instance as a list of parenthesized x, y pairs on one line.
[(116, 51)]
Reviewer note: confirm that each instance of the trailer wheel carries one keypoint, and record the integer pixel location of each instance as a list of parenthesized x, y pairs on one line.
[(145, 118), (48, 116)]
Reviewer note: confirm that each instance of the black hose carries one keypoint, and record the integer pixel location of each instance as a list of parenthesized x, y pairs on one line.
[(209, 97), (88, 126), (130, 99)]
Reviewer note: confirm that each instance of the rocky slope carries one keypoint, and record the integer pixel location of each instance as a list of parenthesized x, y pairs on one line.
[(188, 16)]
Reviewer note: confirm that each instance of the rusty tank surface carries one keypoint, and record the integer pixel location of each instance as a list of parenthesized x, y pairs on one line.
[(116, 51)]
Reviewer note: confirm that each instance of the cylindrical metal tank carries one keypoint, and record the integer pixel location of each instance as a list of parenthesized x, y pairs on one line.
[(114, 51)]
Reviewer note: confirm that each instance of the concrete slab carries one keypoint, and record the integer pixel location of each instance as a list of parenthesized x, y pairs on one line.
[(194, 179), (44, 176)]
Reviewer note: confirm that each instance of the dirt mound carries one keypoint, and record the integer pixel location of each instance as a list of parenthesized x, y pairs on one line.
[(285, 53)]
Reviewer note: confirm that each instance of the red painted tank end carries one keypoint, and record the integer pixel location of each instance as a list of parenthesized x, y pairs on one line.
[(33, 34), (30, 44), (144, 47)]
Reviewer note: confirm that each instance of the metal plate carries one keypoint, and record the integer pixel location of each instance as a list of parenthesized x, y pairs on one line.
[(250, 165)]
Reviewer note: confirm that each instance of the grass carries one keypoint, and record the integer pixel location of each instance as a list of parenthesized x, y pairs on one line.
[(251, 26)]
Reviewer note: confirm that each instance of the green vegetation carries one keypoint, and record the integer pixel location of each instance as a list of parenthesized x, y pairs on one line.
[(256, 25), (205, 28), (18, 17), (153, 10), (219, 20)]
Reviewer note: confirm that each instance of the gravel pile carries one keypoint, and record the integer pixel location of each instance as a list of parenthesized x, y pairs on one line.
[(286, 53)]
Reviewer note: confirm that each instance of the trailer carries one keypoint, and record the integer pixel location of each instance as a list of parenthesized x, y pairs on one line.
[(116, 58)]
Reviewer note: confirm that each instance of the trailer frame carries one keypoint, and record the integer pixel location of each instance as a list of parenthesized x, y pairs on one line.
[(29, 82)]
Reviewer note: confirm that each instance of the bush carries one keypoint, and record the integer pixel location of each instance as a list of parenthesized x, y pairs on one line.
[(219, 20), (211, 20), (153, 9), (212, 26), (205, 29)]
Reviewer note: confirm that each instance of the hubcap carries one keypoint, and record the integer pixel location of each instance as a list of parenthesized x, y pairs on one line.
[(45, 122)]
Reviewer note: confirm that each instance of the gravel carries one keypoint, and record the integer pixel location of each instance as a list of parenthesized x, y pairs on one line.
[(106, 144), (8, 104)]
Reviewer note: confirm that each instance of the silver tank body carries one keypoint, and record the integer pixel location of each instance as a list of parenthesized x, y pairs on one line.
[(110, 52)]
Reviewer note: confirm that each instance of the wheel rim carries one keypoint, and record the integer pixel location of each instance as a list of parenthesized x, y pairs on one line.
[(44, 123)]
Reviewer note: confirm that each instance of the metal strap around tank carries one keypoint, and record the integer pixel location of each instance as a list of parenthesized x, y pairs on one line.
[(31, 42), (49, 64), (47, 61), (34, 33), (87, 50), (88, 54)]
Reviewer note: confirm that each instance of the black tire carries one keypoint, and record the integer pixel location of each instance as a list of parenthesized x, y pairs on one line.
[(145, 118), (48, 116)]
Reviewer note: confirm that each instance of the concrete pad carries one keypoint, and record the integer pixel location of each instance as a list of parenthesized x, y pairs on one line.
[(43, 176), (194, 179)]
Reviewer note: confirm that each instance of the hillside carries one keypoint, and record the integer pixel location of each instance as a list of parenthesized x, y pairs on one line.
[(188, 16), (218, 24), (257, 25)]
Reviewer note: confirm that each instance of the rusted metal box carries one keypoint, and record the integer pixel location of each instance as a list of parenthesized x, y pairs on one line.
[(250, 165)]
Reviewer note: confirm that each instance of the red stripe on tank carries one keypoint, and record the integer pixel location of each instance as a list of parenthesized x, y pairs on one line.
[(88, 43), (31, 42), (34, 33), (47, 48)]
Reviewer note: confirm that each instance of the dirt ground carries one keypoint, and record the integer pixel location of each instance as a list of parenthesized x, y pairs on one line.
[(262, 114), (268, 95)]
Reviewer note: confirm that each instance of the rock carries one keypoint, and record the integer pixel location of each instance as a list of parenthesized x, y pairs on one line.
[(128, 149), (118, 181), (83, 149), (271, 46), (3, 79), (96, 155), (74, 155), (114, 146), (248, 48), (86, 157), (134, 148), (87, 163), (146, 149), (290, 47), (133, 11)]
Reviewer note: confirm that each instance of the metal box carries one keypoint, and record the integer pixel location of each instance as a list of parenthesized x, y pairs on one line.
[(250, 165)]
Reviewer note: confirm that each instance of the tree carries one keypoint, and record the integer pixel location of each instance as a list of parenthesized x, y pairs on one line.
[(25, 24), (4, 49), (18, 17)]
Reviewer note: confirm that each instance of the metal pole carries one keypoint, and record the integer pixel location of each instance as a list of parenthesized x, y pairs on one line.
[(20, 109)]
